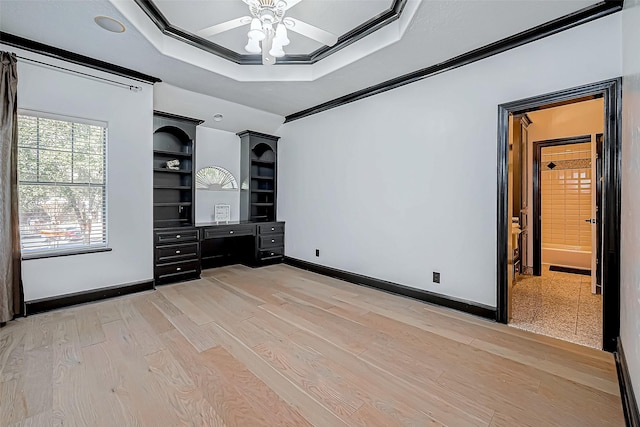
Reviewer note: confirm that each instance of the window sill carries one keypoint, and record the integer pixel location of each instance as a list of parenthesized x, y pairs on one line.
[(59, 254)]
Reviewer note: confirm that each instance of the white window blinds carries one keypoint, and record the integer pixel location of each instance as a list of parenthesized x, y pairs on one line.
[(61, 185)]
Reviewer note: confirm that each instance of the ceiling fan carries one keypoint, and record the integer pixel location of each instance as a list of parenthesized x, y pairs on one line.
[(269, 27)]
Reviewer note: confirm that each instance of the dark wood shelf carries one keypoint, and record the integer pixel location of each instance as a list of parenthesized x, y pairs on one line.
[(263, 177), (180, 220), (262, 191), (263, 162), (172, 153), (172, 187), (172, 204), (262, 204), (171, 170)]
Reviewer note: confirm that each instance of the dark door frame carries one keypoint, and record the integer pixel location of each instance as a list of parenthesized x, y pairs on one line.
[(611, 92), (537, 200)]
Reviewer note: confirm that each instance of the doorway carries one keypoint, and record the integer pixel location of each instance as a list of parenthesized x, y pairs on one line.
[(555, 293), (598, 239)]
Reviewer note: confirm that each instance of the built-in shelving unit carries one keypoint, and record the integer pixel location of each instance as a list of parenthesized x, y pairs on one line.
[(173, 187), (176, 240), (258, 173)]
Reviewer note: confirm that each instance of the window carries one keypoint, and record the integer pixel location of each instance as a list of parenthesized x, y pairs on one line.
[(215, 178), (61, 185)]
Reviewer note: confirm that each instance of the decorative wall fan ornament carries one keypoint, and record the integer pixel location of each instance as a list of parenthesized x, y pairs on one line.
[(268, 31), (215, 178)]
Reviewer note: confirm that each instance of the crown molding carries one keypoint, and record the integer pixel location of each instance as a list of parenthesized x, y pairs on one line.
[(75, 58), (167, 28), (555, 26)]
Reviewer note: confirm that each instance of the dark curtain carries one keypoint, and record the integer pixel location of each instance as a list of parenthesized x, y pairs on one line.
[(11, 294)]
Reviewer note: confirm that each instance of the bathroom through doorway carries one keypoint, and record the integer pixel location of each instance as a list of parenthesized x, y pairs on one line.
[(558, 155)]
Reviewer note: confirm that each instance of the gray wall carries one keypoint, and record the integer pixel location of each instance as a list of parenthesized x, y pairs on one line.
[(129, 176), (217, 148), (401, 184), (630, 243)]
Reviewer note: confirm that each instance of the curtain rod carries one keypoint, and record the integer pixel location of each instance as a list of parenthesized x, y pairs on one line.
[(130, 87)]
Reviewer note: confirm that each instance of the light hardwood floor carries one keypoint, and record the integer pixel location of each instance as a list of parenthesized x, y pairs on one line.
[(281, 346)]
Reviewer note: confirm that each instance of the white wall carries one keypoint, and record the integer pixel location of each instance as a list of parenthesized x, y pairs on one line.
[(630, 242), (217, 148), (237, 117), (401, 184), (129, 178)]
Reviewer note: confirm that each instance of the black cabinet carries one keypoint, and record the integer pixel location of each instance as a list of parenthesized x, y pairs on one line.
[(176, 241), (182, 252), (173, 175), (258, 175), (246, 243), (181, 247), (177, 255), (269, 243), (227, 244)]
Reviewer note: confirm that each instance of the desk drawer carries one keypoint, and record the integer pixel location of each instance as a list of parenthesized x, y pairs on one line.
[(177, 252), (177, 236), (271, 228), (271, 241), (177, 269), (229, 231), (272, 254)]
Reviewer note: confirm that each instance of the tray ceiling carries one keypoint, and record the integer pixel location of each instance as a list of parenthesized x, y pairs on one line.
[(334, 16), (427, 33)]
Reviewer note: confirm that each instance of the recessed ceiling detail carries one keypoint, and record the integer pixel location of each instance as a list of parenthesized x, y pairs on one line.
[(109, 24), (350, 21)]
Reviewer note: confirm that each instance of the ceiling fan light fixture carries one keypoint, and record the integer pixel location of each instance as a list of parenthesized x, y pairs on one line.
[(276, 50), (281, 35), (253, 46), (256, 33), (268, 27)]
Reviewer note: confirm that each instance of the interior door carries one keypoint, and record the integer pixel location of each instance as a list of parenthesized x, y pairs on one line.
[(596, 239), (525, 172)]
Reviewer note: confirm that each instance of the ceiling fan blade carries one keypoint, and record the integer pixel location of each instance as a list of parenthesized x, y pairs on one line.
[(310, 31), (225, 26), (291, 3)]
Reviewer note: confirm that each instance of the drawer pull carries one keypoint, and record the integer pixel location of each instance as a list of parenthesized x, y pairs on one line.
[(231, 232), (273, 229), (178, 269), (177, 236), (272, 254), (177, 252), (273, 240)]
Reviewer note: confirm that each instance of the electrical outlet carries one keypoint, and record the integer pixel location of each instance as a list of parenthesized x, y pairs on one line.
[(436, 277), (317, 252)]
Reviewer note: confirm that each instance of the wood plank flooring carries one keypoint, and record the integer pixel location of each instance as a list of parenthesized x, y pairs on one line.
[(279, 346)]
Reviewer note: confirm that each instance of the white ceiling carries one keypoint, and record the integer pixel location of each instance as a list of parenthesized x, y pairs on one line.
[(439, 30), (335, 16)]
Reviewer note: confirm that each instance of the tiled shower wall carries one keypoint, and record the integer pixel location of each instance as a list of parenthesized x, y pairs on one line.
[(566, 195)]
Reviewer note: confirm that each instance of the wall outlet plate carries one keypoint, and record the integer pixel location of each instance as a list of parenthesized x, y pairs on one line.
[(317, 252), (436, 277)]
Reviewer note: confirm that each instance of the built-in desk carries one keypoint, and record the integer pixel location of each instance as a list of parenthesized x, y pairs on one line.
[(182, 252)]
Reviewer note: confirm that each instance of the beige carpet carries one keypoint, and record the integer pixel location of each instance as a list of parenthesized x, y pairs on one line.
[(559, 305)]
